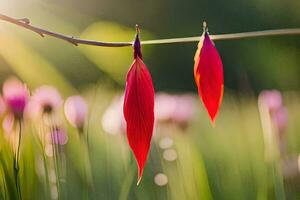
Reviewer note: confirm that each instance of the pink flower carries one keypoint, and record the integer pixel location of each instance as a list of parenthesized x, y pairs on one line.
[(165, 105), (280, 118), (60, 136), (45, 99), (57, 136), (185, 108), (169, 108), (177, 109), (272, 100), (16, 96), (76, 111), (113, 121)]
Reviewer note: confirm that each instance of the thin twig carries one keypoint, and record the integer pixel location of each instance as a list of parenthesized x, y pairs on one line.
[(230, 36), (71, 39), (25, 23)]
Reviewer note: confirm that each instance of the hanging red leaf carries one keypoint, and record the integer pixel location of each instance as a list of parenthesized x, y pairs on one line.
[(139, 108), (208, 73)]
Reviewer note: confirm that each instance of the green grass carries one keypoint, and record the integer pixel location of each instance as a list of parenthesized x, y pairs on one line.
[(222, 162)]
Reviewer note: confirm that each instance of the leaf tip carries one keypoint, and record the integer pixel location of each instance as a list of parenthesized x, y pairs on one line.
[(139, 180), (140, 175), (213, 120)]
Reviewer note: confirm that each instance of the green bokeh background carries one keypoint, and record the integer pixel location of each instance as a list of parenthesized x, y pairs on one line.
[(222, 162), (250, 64)]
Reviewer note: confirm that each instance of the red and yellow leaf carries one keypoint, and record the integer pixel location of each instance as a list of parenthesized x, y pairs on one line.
[(208, 73), (139, 110)]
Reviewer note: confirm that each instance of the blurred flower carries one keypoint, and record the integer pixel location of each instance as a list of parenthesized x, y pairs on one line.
[(272, 100), (165, 105), (113, 121), (16, 96), (45, 99), (280, 118), (60, 136), (76, 111), (178, 109), (57, 136), (185, 108), (274, 120)]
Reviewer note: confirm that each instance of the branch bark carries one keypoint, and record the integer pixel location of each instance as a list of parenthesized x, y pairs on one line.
[(25, 23)]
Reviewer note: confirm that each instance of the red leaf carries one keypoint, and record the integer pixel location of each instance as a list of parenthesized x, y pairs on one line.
[(208, 73), (139, 109)]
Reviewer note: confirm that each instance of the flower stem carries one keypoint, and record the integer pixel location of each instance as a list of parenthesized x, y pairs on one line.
[(278, 181), (87, 167), (54, 151), (16, 162), (46, 175), (41, 142)]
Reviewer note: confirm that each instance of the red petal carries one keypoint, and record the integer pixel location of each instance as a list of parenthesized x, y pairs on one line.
[(139, 111), (208, 72)]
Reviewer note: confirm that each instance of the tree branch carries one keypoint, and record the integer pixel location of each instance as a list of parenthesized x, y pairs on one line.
[(25, 23)]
